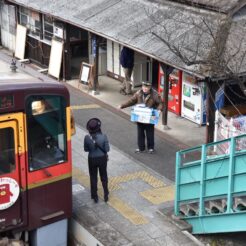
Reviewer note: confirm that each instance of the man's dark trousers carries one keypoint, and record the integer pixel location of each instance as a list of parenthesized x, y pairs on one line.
[(147, 129)]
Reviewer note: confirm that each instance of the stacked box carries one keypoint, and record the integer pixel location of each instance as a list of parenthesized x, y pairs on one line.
[(142, 114)]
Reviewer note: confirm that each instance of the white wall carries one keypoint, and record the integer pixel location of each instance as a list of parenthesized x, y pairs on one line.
[(8, 26)]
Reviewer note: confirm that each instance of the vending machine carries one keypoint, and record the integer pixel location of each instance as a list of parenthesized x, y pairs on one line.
[(193, 99), (175, 88)]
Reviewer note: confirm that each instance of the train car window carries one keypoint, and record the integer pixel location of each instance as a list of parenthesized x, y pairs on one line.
[(7, 150), (46, 131)]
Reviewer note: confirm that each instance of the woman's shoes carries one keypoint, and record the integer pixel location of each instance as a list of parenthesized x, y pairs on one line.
[(96, 198)]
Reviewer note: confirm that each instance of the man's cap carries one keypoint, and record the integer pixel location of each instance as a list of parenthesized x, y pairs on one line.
[(93, 125), (146, 83)]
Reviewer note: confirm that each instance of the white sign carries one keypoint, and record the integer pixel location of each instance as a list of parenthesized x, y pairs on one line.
[(55, 58), (58, 32), (85, 74), (20, 42), (9, 192)]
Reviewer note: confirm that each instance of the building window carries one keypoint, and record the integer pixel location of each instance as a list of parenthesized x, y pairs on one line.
[(31, 20), (41, 27), (35, 24), (23, 13), (48, 27)]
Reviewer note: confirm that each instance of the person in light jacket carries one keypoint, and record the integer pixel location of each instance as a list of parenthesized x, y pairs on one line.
[(150, 97), (97, 144)]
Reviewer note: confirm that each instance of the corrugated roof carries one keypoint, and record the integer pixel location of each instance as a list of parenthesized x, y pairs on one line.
[(141, 24), (224, 6)]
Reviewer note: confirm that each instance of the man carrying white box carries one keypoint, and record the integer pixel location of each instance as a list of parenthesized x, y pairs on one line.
[(151, 100)]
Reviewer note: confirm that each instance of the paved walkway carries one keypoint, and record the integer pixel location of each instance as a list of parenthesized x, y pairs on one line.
[(131, 217)]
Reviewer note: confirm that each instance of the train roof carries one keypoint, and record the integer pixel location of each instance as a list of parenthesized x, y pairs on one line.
[(21, 89), (23, 84), (32, 85)]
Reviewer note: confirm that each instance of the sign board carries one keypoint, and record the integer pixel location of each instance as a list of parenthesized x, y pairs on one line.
[(85, 73), (9, 192), (20, 42), (142, 114), (58, 32), (55, 58)]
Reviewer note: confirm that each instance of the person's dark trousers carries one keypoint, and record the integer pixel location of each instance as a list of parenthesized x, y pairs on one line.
[(148, 130), (95, 164)]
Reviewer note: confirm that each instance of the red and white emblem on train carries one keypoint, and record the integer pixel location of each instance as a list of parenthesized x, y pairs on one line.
[(9, 192)]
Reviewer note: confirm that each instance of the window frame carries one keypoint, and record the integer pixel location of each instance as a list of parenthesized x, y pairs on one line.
[(63, 124), (48, 23), (38, 27)]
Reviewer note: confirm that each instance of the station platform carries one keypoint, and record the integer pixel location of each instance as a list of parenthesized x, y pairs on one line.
[(132, 215), (185, 132)]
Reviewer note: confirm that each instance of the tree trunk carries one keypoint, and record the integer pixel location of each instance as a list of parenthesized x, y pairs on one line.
[(211, 90)]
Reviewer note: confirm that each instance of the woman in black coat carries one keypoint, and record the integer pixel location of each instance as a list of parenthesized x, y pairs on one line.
[(96, 143)]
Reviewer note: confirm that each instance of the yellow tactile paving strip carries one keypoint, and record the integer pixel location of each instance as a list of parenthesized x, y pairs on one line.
[(143, 175), (85, 106), (159, 194), (128, 212)]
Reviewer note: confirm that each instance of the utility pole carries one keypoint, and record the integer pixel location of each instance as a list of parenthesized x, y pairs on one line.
[(166, 70)]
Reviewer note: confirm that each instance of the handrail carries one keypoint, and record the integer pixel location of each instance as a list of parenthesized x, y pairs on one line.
[(211, 144), (182, 173)]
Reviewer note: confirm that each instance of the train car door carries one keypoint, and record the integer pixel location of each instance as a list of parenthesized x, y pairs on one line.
[(12, 174)]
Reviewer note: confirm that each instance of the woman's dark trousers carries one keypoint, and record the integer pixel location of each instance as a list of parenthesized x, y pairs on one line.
[(95, 164)]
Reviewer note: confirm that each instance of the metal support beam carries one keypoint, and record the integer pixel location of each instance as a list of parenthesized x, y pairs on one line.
[(95, 45)]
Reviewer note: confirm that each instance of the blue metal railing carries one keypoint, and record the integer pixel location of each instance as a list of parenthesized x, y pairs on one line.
[(213, 173)]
